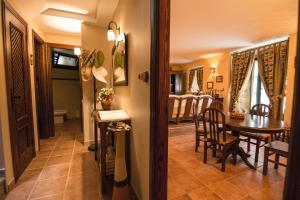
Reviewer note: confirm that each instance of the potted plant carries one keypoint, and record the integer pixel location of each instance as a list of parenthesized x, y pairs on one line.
[(105, 96)]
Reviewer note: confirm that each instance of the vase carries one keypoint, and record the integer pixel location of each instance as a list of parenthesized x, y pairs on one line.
[(106, 105)]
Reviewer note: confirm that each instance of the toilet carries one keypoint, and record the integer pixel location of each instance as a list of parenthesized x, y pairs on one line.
[(60, 116)]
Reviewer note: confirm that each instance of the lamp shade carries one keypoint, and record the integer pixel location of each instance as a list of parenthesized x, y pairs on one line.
[(111, 36), (121, 37), (77, 51)]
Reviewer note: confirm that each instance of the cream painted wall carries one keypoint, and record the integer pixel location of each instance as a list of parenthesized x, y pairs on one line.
[(222, 64), (63, 39), (93, 37), (66, 93), (290, 78), (133, 16)]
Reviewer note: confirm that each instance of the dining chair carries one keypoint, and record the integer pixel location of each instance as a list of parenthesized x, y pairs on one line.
[(198, 128), (278, 148), (259, 110), (216, 104), (216, 137)]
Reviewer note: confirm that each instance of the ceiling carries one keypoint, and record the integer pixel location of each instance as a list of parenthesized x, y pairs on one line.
[(66, 16), (201, 27)]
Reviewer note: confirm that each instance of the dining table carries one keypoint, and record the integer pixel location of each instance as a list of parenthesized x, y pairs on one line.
[(254, 124)]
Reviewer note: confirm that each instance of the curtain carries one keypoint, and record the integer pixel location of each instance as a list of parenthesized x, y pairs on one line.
[(200, 78), (191, 77), (272, 65), (240, 68)]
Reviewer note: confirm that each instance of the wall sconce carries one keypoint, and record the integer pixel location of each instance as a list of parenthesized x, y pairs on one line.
[(213, 70), (77, 51), (114, 34)]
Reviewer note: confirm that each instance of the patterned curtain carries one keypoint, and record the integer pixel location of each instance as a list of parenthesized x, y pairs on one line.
[(200, 78), (191, 77), (272, 63), (241, 66)]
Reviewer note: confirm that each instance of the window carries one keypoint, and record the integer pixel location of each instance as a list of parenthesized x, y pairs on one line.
[(195, 86), (258, 93)]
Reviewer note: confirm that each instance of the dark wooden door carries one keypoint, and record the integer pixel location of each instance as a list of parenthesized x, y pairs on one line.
[(18, 90)]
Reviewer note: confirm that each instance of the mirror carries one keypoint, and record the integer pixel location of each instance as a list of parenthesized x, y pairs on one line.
[(120, 68)]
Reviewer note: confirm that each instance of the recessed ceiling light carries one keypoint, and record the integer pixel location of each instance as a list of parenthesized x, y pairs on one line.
[(64, 24)]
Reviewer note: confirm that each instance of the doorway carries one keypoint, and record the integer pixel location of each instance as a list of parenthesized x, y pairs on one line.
[(18, 89), (66, 84)]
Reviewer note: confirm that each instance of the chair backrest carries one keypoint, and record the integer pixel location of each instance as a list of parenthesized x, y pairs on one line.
[(261, 110), (214, 125), (216, 104)]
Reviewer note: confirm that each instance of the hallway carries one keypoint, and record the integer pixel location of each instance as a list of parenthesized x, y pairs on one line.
[(62, 169)]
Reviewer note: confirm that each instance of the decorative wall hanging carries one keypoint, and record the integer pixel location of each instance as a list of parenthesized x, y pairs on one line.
[(210, 85), (120, 70), (92, 64), (219, 79)]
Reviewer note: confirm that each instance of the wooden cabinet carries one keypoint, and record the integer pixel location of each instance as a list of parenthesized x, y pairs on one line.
[(177, 83)]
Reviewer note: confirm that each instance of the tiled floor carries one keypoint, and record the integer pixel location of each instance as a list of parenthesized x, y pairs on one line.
[(190, 179), (63, 169)]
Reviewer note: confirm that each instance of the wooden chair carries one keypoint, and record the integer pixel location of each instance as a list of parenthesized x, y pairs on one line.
[(173, 109), (216, 137), (279, 149), (198, 129), (260, 110), (216, 104)]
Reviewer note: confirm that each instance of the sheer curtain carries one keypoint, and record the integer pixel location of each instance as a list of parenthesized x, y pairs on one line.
[(241, 66)]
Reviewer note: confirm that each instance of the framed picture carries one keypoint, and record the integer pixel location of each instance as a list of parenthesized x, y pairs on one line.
[(210, 85), (219, 79), (120, 68)]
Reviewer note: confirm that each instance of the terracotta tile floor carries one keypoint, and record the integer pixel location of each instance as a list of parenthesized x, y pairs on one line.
[(63, 169), (190, 179)]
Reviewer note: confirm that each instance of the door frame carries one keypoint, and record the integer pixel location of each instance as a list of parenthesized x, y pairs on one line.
[(159, 93), (49, 46), (5, 5), (36, 37), (292, 178)]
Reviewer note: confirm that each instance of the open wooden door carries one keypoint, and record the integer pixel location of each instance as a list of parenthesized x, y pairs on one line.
[(18, 89)]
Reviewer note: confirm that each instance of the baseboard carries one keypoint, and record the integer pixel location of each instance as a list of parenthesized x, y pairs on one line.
[(10, 185)]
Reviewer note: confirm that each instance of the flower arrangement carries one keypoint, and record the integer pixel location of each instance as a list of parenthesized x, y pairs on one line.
[(105, 96)]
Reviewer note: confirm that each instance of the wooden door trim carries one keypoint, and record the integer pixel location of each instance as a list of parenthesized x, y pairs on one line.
[(36, 37), (159, 90), (5, 5), (292, 179)]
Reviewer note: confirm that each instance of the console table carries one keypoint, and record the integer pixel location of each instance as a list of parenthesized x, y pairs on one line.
[(101, 120)]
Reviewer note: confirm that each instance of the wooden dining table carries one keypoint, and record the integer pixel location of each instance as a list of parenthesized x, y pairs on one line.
[(254, 124)]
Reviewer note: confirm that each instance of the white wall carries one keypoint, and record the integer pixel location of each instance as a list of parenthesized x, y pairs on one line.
[(133, 16), (93, 37), (66, 93)]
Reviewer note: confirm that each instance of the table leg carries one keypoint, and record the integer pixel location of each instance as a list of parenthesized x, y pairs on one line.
[(242, 153), (96, 140), (103, 156)]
